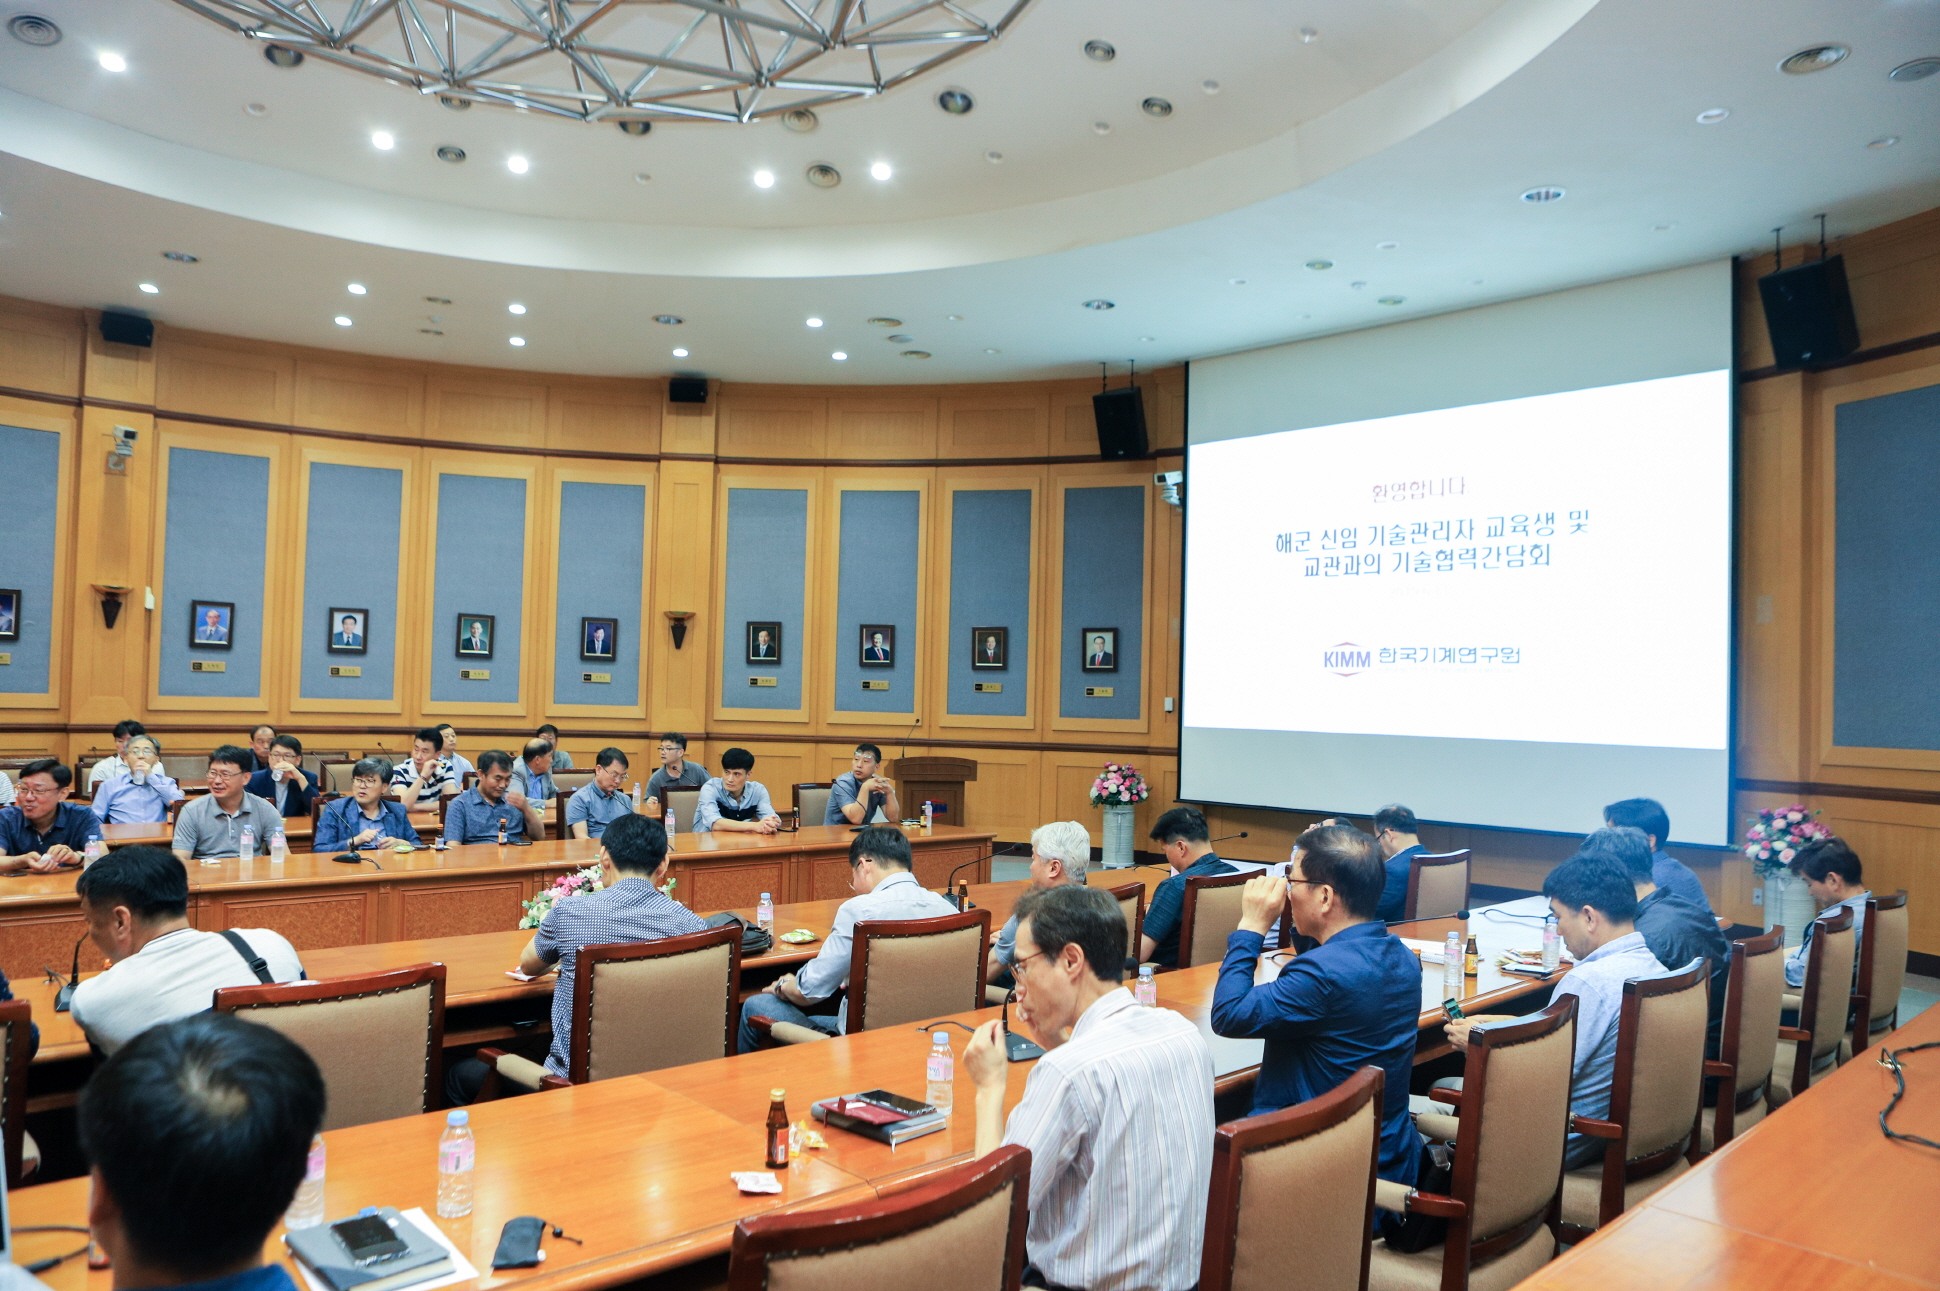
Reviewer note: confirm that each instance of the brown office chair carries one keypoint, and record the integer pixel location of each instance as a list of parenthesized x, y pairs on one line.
[(16, 1038), (811, 803), (379, 1038), (640, 1006), (185, 766), (1209, 915), (904, 971), (175, 808), (1501, 1205), (1315, 1160), (1656, 1092), (1437, 884), (334, 777), (683, 801), (1747, 1036), (1882, 970), (1810, 1050), (964, 1230), (570, 782), (1131, 903)]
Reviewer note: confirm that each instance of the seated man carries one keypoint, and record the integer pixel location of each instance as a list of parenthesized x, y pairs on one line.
[(532, 773), (1397, 834), (1060, 855), (427, 775), (879, 871), (561, 760), (258, 750), (675, 772), (1353, 1001), (136, 904), (630, 908), (1676, 931), (366, 818), (859, 794), (733, 803), (1666, 871), (142, 793), (210, 1106), (1832, 875), (491, 808), (1596, 910), (1117, 1114), (597, 804), (1185, 841), (210, 827), (109, 768), (448, 745), (42, 831), (285, 784)]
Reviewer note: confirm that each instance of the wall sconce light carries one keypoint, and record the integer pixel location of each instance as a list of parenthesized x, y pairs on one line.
[(111, 595), (677, 624)]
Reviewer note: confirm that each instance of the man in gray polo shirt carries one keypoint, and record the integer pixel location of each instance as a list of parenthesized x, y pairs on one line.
[(596, 805), (210, 827)]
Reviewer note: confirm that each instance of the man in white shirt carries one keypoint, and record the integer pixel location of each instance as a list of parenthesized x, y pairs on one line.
[(879, 862), (448, 741), (1118, 1113), (109, 768), (136, 902), (1835, 879)]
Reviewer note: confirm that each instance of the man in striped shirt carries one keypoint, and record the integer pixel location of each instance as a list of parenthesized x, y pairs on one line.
[(1118, 1116)]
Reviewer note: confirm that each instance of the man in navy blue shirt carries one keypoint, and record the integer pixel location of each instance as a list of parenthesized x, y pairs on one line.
[(42, 832), (1351, 1002), (1186, 844), (1666, 871), (1396, 833)]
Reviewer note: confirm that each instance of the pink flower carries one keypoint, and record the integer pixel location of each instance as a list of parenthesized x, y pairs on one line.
[(1787, 854)]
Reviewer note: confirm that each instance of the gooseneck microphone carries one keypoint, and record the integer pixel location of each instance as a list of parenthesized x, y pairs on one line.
[(64, 998), (1223, 837)]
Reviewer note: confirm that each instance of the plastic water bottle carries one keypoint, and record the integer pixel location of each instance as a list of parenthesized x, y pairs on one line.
[(942, 1093), (279, 847), (637, 799), (667, 823), (1552, 945), (1146, 992), (456, 1154), (1452, 967), (929, 814), (247, 851), (94, 851), (306, 1211), (764, 914)]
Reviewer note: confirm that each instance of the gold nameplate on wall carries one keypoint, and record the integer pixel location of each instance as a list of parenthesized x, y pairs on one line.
[(346, 670), (875, 685), (761, 681), (990, 688), (1097, 692), (474, 674), (5, 659), (600, 677), (207, 665)]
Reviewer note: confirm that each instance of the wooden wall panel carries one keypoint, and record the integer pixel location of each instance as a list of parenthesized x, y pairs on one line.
[(980, 425), (619, 418), (467, 409), (41, 347), (885, 428), (220, 381), (360, 397), (772, 426)]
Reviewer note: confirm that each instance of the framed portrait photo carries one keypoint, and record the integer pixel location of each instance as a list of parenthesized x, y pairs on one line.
[(475, 635), (347, 631), (9, 614), (1100, 649), (211, 624), (764, 642), (878, 645), (598, 638), (990, 648)]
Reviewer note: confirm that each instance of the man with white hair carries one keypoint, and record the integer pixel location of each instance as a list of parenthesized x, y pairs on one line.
[(1060, 855)]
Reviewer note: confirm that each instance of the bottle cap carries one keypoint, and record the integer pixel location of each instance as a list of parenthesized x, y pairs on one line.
[(941, 1037), (458, 1117), (764, 896), (777, 1094)]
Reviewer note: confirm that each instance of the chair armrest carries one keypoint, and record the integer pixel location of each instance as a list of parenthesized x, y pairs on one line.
[(1596, 1129), (793, 1033), (1453, 1097), (555, 1082), (510, 1067), (1439, 1128), (1712, 1067), (1795, 1034)]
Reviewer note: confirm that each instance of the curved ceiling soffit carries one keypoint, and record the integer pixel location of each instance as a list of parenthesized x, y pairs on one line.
[(1455, 76)]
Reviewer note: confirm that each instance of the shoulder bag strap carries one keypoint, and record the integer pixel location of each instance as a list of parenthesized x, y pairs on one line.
[(257, 964)]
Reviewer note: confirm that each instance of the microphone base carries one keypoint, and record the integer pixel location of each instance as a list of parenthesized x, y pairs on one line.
[(348, 858)]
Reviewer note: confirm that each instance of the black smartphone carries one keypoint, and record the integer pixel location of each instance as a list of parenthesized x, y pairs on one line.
[(369, 1240), (894, 1102), (1453, 1010)]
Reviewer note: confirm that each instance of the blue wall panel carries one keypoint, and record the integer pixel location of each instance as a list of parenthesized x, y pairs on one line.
[(480, 570), (990, 587), (1886, 635), (216, 539), (350, 562), (881, 543), (1103, 587), (30, 461), (767, 568), (602, 544)]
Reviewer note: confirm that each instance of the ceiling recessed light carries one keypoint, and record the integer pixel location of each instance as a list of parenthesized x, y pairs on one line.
[(1101, 127), (1318, 265), (455, 103), (800, 120), (916, 354), (680, 353), (1387, 246), (515, 309), (180, 257), (356, 289), (1711, 116), (1917, 69), (899, 339), (880, 171), (150, 288), (1544, 193), (283, 56), (452, 153), (669, 320), (1308, 35), (1209, 87), (1885, 141), (437, 300), (1100, 51), (382, 140), (954, 318), (642, 177), (839, 356), (1392, 300), (994, 157), (1148, 339), (517, 165), (956, 102), (635, 127), (764, 179), (1101, 304), (814, 322), (113, 62), (988, 351), (256, 109), (1473, 282), (1814, 59), (1237, 282), (518, 340), (823, 175), (1357, 285), (431, 331), (886, 322), (1655, 228), (1156, 108), (343, 320), (32, 29)]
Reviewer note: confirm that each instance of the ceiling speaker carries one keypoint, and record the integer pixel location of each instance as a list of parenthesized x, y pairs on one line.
[(1120, 415), (128, 329), (1808, 311), (687, 390)]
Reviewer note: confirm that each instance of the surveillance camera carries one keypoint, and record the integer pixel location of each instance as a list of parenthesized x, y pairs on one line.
[(127, 434), (1170, 485)]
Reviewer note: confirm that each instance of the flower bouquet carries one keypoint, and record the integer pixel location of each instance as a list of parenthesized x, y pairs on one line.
[(1779, 833), (1119, 786), (566, 885)]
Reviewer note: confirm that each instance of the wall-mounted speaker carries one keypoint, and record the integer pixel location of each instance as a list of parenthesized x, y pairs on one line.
[(687, 390), (1808, 311), (1120, 415), (128, 329)]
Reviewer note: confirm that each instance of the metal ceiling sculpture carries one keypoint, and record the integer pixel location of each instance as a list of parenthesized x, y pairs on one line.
[(627, 61)]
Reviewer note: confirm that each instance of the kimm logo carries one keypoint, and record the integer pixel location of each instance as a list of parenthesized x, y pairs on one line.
[(1346, 659)]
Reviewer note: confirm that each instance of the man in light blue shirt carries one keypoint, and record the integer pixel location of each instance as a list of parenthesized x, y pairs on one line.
[(732, 803), (859, 796), (1666, 871), (532, 774), (595, 806), (142, 795), (1835, 879), (1060, 855), (492, 807)]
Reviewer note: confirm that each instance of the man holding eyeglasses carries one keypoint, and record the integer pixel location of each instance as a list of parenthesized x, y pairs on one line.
[(210, 828), (41, 832), (879, 872)]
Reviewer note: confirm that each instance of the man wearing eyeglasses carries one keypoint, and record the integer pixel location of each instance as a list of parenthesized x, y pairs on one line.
[(41, 832), (367, 818), (879, 872), (675, 772), (210, 828), (1186, 843)]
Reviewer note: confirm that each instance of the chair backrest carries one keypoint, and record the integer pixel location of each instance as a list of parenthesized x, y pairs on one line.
[(16, 1038), (683, 801), (315, 760), (904, 971), (1208, 916), (1437, 884), (1292, 1195), (643, 1005), (379, 1038), (1753, 1002), (1827, 994), (963, 1230), (335, 777), (1515, 1118), (175, 808), (811, 803), (567, 783), (1657, 1086), (1882, 965), (185, 766), (1131, 903)]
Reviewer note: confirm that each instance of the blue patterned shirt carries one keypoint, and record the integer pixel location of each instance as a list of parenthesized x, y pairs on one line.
[(472, 819), (596, 808), (342, 819), (632, 910)]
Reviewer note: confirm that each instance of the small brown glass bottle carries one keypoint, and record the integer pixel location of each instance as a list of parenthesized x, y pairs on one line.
[(1471, 959), (777, 1130)]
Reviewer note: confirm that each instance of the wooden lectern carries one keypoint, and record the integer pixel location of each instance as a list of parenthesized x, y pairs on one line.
[(940, 780)]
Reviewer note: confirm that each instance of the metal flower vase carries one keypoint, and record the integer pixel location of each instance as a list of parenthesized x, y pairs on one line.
[(1118, 835)]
